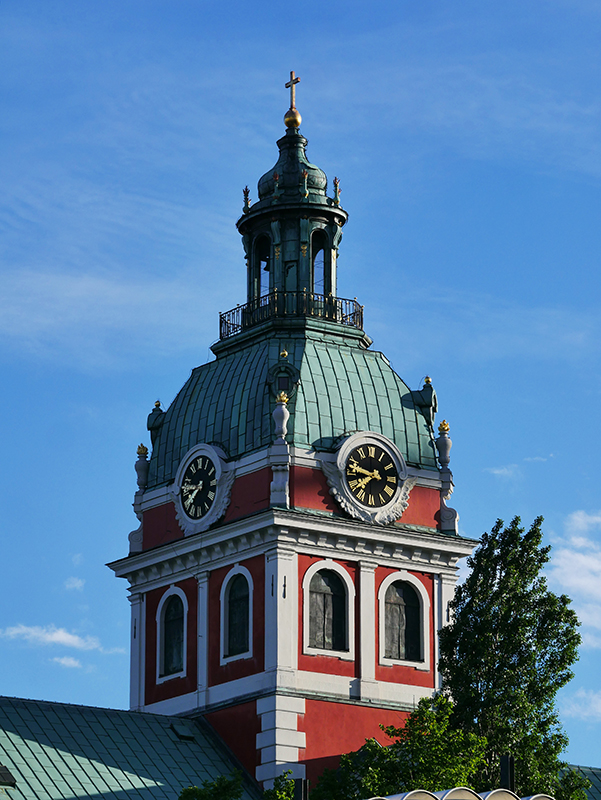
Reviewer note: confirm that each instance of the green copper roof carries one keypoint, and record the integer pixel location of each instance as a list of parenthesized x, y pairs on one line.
[(343, 388), (58, 751)]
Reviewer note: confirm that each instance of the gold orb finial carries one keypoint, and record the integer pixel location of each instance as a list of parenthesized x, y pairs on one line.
[(157, 404), (444, 427), (282, 397), (428, 380), (142, 450), (284, 353), (292, 119)]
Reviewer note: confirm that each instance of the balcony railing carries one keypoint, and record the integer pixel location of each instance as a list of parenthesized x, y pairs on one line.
[(290, 304)]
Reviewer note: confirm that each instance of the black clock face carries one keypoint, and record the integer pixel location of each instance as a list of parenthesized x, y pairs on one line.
[(371, 475), (199, 486)]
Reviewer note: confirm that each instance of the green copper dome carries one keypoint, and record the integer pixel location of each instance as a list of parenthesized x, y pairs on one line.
[(289, 168), (343, 388)]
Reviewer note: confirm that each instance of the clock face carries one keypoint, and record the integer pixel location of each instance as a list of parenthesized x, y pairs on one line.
[(199, 486), (371, 475)]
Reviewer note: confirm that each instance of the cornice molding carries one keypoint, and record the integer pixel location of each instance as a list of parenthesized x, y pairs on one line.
[(398, 547)]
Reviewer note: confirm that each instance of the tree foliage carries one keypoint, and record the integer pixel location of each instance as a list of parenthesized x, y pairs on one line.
[(225, 787), (508, 650), (283, 788), (427, 753)]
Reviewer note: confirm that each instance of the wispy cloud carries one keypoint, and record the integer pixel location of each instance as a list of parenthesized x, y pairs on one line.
[(75, 583), (77, 559), (584, 704), (575, 569), (68, 661), (509, 472), (51, 635)]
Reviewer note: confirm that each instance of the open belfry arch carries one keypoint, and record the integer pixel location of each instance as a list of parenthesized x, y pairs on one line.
[(296, 554)]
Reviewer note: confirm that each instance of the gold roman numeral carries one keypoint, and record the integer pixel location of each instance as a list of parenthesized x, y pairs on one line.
[(388, 491), (372, 452)]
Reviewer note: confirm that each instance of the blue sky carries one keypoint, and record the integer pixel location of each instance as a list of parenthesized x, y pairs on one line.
[(467, 139)]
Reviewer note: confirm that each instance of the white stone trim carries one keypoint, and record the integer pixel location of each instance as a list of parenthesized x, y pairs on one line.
[(367, 622), (137, 649), (172, 590), (237, 569), (279, 740), (424, 599), (203, 637), (349, 653)]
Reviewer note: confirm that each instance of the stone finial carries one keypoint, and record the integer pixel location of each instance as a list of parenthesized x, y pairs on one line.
[(281, 415), (141, 466), (336, 192), (246, 206), (444, 444)]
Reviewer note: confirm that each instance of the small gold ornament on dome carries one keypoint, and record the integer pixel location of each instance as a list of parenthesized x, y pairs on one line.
[(444, 427), (282, 397), (142, 450), (284, 353), (157, 404), (428, 380)]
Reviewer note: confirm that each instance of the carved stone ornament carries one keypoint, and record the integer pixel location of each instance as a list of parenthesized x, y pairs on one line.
[(336, 474), (224, 478)]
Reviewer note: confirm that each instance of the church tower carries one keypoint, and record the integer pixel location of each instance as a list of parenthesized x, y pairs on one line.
[(295, 555)]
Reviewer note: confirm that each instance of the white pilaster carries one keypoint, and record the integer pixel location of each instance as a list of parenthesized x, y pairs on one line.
[(137, 660), (203, 637), (367, 626), (281, 611)]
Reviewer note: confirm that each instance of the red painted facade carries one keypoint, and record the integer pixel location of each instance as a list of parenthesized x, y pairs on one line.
[(173, 687), (250, 494), (238, 727), (309, 489), (423, 508), (335, 728), (160, 526)]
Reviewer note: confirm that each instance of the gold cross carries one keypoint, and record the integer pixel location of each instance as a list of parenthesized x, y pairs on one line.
[(292, 86)]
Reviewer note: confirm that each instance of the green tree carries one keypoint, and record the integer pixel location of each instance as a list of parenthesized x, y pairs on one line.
[(427, 753), (283, 788), (222, 788), (508, 650)]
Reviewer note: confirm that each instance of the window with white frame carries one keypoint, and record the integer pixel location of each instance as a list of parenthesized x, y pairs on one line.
[(236, 615), (404, 621), (328, 610), (171, 634)]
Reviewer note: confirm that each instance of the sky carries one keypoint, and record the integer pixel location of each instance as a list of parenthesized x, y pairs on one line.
[(467, 140)]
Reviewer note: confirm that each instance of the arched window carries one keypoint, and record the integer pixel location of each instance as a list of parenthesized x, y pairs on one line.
[(171, 641), (327, 612), (318, 262), (236, 611), (402, 623), (262, 266), (237, 602)]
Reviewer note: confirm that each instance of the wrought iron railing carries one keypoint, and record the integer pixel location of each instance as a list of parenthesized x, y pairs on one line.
[(290, 304)]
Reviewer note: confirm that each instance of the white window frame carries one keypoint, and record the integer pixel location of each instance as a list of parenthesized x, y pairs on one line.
[(237, 569), (424, 602), (344, 655), (172, 590)]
